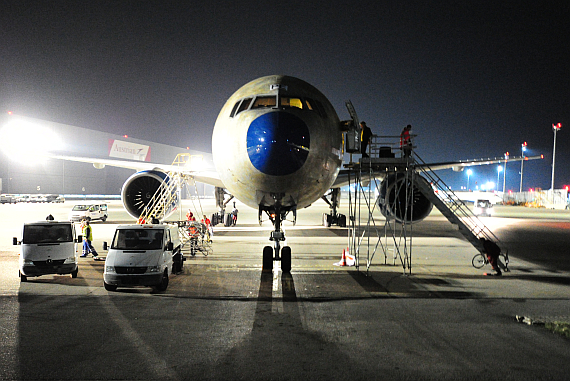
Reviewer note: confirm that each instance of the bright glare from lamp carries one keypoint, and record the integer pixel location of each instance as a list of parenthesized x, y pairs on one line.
[(27, 142), (196, 163)]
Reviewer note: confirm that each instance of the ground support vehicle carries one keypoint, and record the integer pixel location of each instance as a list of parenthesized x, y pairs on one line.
[(48, 247), (144, 255), (89, 212)]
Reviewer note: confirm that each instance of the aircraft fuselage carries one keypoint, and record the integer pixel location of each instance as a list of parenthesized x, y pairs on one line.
[(277, 141)]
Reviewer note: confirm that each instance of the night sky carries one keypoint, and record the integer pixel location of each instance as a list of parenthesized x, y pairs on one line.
[(474, 78)]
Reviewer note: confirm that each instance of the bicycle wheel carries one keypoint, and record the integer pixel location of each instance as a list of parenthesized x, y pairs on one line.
[(478, 261)]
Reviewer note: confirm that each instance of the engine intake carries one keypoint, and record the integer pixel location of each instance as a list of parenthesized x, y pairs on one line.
[(139, 189), (392, 199)]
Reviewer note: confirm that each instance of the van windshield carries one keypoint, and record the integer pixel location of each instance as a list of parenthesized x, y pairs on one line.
[(80, 208), (48, 233), (483, 204), (138, 239)]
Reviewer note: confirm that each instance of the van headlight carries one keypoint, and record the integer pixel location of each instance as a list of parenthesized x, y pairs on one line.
[(28, 262), (154, 269), (70, 259), (110, 269)]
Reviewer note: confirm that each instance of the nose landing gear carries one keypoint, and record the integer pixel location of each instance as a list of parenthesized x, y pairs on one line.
[(277, 237)]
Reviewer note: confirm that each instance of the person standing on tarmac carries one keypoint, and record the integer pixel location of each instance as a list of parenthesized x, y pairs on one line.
[(87, 238)]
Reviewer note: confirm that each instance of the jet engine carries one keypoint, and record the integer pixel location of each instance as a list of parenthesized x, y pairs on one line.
[(394, 191), (139, 189)]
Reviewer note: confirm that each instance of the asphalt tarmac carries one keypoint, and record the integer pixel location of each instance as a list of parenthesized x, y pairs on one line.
[(223, 319)]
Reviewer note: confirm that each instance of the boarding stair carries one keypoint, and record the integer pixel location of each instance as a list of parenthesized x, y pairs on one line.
[(447, 202), (168, 193), (161, 202), (167, 197)]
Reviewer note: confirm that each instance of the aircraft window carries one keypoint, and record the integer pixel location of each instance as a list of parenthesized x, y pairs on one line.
[(315, 106), (291, 102), (244, 105), (232, 114), (264, 101)]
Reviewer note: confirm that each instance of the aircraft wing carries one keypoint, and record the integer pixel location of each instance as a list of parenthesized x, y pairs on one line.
[(206, 177), (458, 166)]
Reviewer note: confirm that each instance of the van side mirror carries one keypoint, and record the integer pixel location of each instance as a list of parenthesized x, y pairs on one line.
[(79, 238), (14, 241), (169, 246), (105, 246)]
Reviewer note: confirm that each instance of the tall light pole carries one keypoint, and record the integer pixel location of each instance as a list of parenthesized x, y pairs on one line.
[(499, 170), (523, 148), (469, 172), (505, 174), (555, 128)]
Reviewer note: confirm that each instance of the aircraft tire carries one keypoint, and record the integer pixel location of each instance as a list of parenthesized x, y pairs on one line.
[(267, 265), (342, 220), (286, 259), (326, 220)]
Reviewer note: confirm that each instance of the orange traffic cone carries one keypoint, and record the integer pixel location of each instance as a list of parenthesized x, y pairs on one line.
[(342, 260)]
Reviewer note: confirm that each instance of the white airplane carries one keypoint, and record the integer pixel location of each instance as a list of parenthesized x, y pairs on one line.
[(277, 146)]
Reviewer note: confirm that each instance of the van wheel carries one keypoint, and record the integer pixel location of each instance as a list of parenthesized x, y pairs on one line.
[(163, 283), (110, 287), (23, 278), (103, 218), (74, 273)]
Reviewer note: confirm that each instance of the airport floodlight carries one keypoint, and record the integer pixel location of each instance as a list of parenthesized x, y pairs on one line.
[(469, 173), (28, 142)]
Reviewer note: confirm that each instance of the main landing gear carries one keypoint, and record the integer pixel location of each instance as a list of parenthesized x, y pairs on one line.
[(333, 218), (222, 217), (276, 253)]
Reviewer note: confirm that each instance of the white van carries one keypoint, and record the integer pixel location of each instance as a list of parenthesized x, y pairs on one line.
[(89, 212), (48, 247), (144, 255), (483, 208)]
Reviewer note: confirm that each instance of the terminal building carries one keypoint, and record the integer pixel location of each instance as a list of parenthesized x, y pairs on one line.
[(23, 171)]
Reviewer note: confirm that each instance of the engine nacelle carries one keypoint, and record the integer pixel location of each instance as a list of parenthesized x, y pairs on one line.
[(138, 190), (392, 199)]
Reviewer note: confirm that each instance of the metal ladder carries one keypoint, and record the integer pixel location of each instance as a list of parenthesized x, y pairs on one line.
[(455, 210), (165, 196), (168, 193)]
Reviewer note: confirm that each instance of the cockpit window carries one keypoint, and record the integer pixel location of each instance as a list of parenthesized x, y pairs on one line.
[(291, 102), (244, 105), (315, 106), (269, 101), (264, 102), (233, 113)]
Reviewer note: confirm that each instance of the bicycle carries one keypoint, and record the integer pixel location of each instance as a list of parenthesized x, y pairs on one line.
[(480, 260)]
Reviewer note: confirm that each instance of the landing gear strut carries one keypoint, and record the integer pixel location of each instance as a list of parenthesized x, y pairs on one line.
[(221, 217), (333, 218), (277, 253)]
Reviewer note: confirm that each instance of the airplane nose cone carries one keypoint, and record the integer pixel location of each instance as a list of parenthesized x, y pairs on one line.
[(278, 143)]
